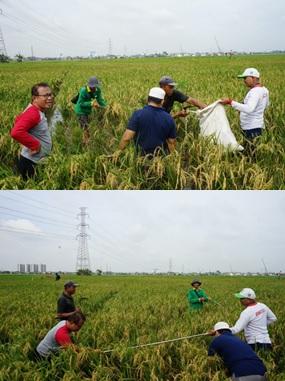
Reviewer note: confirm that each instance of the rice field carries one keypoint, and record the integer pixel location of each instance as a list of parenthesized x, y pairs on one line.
[(197, 163), (123, 311)]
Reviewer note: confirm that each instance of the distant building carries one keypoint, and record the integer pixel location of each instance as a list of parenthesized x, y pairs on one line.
[(29, 268), (43, 268), (36, 268), (21, 268)]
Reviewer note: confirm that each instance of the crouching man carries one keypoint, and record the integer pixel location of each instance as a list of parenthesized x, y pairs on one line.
[(60, 336), (241, 361)]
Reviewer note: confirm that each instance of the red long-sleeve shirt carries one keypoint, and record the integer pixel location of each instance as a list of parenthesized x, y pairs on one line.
[(27, 120)]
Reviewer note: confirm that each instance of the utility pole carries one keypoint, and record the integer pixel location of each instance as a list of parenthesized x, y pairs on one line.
[(170, 266), (2, 42), (83, 261), (110, 49)]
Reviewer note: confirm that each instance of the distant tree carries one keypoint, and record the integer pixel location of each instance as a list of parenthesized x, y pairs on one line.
[(84, 272), (99, 272), (4, 58), (19, 57)]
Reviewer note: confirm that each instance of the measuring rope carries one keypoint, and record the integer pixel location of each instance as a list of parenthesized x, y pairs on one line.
[(158, 342)]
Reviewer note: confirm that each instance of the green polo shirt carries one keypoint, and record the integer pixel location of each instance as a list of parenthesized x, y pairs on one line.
[(86, 97)]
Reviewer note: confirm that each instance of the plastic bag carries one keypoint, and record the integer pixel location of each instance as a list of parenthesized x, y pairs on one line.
[(214, 122)]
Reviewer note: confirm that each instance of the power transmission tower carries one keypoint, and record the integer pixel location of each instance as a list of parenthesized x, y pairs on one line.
[(2, 42), (83, 261)]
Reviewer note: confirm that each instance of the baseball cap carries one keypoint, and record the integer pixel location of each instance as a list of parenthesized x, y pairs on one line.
[(166, 80), (196, 281), (246, 293), (93, 82), (221, 325), (250, 72), (156, 92), (70, 284)]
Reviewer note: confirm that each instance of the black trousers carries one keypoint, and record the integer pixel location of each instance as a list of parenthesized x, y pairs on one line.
[(26, 167), (83, 121), (262, 346)]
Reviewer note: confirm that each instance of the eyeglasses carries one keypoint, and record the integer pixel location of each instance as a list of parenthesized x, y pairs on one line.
[(48, 95)]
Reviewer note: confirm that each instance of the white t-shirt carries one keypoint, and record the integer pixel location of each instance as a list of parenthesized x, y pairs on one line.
[(254, 321), (252, 110)]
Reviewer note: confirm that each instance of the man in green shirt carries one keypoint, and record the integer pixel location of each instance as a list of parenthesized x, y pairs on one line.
[(196, 297), (89, 97)]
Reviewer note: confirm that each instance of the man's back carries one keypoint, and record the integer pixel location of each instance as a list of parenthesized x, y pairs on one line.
[(238, 357), (153, 126), (65, 304), (254, 320)]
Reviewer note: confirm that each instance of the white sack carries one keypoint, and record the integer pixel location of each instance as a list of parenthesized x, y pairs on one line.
[(214, 122)]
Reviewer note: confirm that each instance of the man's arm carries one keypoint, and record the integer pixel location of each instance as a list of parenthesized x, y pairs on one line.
[(271, 317), (171, 144), (126, 138), (196, 102), (22, 125), (240, 324)]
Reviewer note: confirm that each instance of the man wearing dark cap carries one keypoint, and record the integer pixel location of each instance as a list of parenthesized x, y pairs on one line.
[(65, 303), (196, 297), (89, 97), (173, 95)]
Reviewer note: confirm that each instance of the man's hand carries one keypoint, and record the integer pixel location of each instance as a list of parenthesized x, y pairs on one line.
[(226, 101), (202, 300), (34, 151), (212, 332), (95, 104)]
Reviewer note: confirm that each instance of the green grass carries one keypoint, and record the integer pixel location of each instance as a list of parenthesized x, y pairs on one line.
[(197, 164), (124, 311)]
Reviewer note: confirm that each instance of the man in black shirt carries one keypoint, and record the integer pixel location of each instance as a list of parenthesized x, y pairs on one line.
[(173, 95), (65, 303)]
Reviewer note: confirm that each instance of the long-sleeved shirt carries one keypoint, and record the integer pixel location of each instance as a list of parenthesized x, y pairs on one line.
[(254, 321), (86, 97), (193, 297), (31, 130), (238, 357), (252, 110), (58, 336)]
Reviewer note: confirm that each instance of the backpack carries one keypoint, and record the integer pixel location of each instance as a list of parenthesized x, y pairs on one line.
[(74, 99)]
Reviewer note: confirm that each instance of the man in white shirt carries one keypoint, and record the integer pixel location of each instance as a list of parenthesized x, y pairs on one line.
[(254, 320), (255, 102)]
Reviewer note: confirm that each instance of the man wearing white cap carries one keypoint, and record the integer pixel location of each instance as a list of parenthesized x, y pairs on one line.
[(254, 105), (254, 320), (151, 127), (241, 361)]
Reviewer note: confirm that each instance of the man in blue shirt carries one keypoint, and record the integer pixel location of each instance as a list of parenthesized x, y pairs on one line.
[(241, 361), (151, 127)]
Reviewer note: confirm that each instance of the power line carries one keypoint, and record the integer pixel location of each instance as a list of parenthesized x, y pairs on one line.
[(26, 203), (38, 217), (41, 202), (37, 220), (25, 231)]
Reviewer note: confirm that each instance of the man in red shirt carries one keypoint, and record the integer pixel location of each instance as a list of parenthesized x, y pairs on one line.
[(31, 130), (60, 335)]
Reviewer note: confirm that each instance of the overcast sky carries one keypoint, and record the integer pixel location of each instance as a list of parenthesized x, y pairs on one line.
[(77, 27), (145, 230)]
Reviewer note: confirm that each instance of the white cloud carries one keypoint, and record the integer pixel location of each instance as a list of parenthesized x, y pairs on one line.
[(21, 224)]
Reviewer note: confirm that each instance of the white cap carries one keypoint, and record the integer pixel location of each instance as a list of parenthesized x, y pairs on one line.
[(156, 92), (246, 293), (250, 72), (221, 325)]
